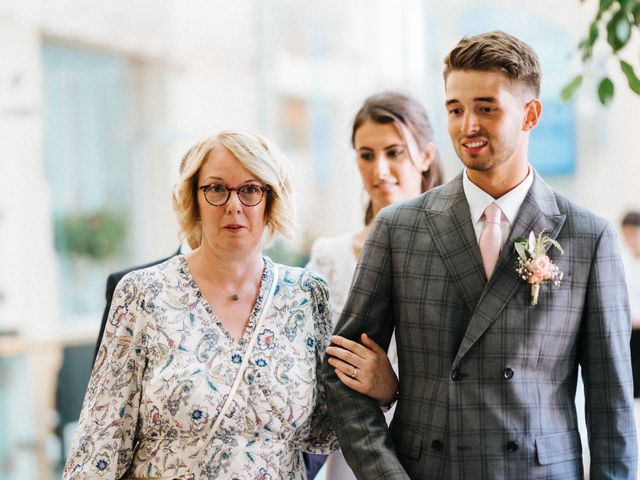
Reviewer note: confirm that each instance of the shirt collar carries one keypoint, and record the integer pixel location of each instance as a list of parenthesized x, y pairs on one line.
[(509, 203)]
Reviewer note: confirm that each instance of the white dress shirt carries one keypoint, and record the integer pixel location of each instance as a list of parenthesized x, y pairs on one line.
[(509, 203)]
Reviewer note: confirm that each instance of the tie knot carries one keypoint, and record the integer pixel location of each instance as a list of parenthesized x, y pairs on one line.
[(492, 213)]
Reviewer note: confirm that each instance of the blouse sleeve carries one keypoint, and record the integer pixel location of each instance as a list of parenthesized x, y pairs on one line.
[(317, 436), (104, 442)]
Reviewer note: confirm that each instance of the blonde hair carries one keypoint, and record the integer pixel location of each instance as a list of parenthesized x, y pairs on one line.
[(255, 153)]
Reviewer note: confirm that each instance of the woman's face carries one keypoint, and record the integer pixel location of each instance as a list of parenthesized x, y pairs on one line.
[(386, 167), (232, 230)]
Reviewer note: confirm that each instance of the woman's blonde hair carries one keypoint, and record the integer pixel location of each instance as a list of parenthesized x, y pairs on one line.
[(255, 153)]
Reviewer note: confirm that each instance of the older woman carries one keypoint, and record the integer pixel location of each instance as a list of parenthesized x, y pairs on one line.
[(208, 367)]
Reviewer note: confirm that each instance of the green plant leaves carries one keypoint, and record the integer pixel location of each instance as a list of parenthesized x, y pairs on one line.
[(605, 90), (95, 235), (521, 250), (604, 6), (636, 14), (619, 20), (627, 5), (586, 45), (618, 30), (569, 90), (634, 81)]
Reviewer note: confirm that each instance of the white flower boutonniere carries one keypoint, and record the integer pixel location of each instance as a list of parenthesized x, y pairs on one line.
[(534, 265)]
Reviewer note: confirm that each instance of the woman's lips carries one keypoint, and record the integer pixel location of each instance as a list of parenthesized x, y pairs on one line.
[(233, 227), (385, 187)]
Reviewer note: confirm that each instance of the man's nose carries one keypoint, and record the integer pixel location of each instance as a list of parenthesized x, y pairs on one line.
[(470, 123)]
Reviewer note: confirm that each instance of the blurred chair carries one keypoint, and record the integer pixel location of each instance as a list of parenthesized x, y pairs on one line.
[(72, 385)]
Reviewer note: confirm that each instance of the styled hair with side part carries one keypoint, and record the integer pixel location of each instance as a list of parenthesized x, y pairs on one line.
[(405, 113), (497, 52), (631, 219), (255, 153)]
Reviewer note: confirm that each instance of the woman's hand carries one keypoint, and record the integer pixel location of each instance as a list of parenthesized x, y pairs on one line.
[(364, 368)]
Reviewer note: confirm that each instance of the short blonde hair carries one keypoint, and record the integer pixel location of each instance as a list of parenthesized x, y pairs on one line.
[(255, 153)]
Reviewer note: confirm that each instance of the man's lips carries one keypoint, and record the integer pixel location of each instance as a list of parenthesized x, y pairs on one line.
[(474, 145)]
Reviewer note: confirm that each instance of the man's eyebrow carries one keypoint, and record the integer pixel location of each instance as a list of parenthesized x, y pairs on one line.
[(476, 99), (485, 99)]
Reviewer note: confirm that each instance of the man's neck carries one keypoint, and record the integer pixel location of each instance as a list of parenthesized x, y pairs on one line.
[(496, 183)]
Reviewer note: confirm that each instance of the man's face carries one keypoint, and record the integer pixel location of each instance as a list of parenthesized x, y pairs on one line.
[(488, 120), (631, 235)]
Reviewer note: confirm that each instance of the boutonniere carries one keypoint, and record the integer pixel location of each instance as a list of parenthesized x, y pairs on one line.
[(534, 265)]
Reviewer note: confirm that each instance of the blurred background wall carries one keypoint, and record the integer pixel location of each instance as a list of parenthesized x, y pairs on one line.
[(98, 101)]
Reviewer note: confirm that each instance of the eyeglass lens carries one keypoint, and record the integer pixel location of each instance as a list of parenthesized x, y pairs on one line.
[(250, 195)]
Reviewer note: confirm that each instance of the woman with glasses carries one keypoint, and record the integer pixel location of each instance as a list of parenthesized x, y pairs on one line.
[(208, 365), (397, 160)]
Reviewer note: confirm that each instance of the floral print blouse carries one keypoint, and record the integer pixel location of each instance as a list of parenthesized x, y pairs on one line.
[(166, 365)]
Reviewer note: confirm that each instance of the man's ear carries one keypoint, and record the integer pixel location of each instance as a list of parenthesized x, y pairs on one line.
[(533, 110)]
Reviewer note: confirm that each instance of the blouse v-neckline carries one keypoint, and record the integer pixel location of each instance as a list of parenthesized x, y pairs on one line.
[(265, 283)]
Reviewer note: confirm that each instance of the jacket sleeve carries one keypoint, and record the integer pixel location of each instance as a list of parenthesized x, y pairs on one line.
[(357, 419), (112, 281), (606, 367), (317, 435), (104, 441)]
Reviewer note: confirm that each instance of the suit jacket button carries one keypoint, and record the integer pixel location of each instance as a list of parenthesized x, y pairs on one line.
[(436, 445), (456, 374), (512, 447), (507, 373)]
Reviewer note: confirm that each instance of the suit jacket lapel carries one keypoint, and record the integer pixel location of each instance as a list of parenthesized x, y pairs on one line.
[(449, 222), (539, 212)]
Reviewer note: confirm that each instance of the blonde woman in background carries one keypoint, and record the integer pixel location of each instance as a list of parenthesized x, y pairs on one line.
[(209, 363), (397, 160)]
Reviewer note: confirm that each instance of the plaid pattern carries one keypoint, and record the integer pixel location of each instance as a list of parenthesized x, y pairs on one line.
[(487, 381)]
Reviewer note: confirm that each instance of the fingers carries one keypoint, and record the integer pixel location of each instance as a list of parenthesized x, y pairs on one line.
[(345, 355), (344, 367), (370, 344), (349, 345), (350, 382)]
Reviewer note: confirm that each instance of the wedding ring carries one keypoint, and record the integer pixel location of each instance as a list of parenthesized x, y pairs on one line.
[(355, 373)]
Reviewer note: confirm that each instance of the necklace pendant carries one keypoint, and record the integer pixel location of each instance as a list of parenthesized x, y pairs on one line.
[(235, 297)]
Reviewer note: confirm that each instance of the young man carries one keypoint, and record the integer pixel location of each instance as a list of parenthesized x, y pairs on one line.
[(487, 377)]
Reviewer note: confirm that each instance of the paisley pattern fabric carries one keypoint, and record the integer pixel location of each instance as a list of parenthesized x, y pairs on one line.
[(166, 365)]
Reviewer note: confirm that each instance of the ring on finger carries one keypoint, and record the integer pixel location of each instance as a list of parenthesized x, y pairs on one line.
[(355, 373)]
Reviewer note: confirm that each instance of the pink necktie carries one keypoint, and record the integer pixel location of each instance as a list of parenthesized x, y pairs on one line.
[(491, 238)]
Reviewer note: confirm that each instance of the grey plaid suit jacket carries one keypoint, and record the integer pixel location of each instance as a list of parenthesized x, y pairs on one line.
[(487, 381)]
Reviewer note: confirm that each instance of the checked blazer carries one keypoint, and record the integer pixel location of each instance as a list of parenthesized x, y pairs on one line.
[(487, 381)]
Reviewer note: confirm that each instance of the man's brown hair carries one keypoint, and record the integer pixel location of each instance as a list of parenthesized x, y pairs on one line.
[(496, 52)]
